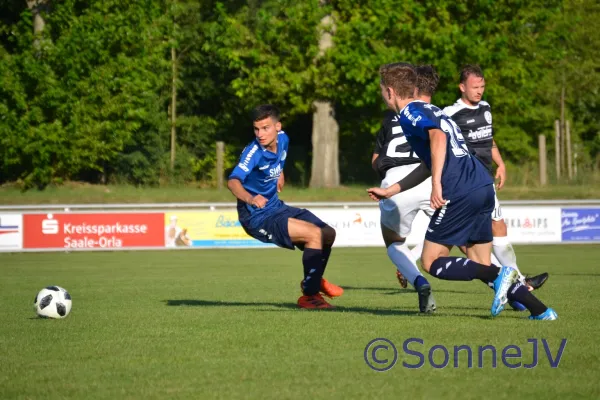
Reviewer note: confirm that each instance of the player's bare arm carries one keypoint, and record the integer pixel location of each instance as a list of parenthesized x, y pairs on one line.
[(373, 161), (236, 187), (414, 178), (438, 145), (501, 170)]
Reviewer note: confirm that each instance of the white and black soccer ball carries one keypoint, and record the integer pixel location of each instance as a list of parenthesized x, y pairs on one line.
[(52, 302)]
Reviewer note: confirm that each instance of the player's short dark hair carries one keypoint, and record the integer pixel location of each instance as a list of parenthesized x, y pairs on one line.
[(265, 111), (427, 80), (468, 70), (401, 77)]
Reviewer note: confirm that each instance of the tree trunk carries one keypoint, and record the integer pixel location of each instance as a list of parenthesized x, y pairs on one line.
[(173, 107), (325, 171), (36, 7)]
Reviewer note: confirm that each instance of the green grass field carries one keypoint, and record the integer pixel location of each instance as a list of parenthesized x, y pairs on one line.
[(203, 324), (75, 193)]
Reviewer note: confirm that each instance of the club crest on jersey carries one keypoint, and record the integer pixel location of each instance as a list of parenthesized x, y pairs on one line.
[(488, 117)]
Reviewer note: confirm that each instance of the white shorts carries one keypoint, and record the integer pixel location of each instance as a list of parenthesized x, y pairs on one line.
[(497, 213), (399, 211)]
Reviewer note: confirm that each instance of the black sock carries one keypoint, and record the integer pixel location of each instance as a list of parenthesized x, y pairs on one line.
[(462, 269), (519, 292), (326, 254), (312, 260)]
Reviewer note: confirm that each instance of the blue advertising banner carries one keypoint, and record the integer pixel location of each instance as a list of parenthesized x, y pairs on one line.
[(580, 224)]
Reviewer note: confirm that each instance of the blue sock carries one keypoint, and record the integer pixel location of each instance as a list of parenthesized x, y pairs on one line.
[(419, 281), (312, 260), (462, 269)]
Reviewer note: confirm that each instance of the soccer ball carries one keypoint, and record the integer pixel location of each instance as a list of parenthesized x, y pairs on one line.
[(52, 302)]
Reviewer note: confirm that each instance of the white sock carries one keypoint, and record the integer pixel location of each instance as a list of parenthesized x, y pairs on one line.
[(403, 259), (504, 253), (416, 251)]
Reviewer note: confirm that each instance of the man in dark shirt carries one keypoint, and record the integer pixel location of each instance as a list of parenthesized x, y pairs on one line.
[(474, 118)]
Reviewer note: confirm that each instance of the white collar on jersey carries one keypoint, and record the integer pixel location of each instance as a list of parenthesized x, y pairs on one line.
[(463, 104)]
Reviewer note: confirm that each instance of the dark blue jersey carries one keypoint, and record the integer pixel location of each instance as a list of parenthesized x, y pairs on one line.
[(259, 170), (462, 173)]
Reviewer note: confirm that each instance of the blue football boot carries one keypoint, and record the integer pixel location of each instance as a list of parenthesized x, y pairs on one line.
[(502, 283), (548, 315)]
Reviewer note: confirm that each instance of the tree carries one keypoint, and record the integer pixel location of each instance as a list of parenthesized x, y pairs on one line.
[(325, 171)]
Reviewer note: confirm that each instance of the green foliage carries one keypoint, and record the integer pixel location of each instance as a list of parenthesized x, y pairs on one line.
[(92, 102)]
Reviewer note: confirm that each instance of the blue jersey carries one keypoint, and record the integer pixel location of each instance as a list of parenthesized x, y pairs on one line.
[(462, 173), (259, 170)]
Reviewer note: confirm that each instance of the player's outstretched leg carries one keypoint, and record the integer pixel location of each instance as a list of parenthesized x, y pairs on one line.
[(310, 237), (437, 262), (328, 236)]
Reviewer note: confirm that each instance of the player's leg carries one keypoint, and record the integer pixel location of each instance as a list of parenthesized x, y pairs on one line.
[(310, 237), (328, 235), (424, 205), (455, 224), (401, 256), (397, 216), (503, 252)]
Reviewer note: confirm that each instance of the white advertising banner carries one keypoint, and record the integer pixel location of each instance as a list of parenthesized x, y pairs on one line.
[(357, 227), (353, 226), (533, 224), (11, 232)]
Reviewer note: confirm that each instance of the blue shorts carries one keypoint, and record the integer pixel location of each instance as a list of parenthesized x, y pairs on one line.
[(274, 228), (464, 220)]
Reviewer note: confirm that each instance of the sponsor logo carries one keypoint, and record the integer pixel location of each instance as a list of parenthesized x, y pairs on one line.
[(481, 133), (10, 231), (50, 226), (411, 118), (248, 158), (5, 229), (226, 222), (526, 223), (471, 121), (580, 224), (488, 117), (87, 231), (264, 167), (275, 172)]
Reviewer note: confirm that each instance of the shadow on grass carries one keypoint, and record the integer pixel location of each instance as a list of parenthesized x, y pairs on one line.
[(404, 291), (338, 309)]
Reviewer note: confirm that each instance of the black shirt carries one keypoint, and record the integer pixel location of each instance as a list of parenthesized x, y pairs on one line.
[(392, 146), (475, 123)]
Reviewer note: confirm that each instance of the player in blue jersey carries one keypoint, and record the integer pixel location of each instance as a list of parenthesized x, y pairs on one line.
[(462, 195), (255, 182)]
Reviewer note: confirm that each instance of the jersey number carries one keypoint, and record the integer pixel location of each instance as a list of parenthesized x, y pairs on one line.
[(458, 149), (395, 143)]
